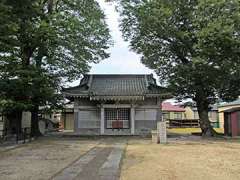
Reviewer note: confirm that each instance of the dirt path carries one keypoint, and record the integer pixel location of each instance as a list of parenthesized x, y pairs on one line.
[(99, 159), (41, 159), (64, 159)]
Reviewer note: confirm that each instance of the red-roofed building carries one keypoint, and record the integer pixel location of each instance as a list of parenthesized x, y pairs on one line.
[(171, 111), (167, 106)]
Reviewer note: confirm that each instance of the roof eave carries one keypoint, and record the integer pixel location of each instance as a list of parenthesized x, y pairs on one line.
[(161, 95), (75, 95), (116, 98)]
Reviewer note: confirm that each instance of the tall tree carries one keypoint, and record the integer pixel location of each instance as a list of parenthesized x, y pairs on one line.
[(43, 44), (194, 46)]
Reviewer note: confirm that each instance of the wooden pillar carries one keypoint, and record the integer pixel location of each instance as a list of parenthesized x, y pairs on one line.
[(234, 123), (132, 120), (159, 110), (64, 118), (76, 117), (102, 124)]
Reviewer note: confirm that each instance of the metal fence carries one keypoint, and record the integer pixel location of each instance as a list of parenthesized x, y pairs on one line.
[(3, 134), (22, 134)]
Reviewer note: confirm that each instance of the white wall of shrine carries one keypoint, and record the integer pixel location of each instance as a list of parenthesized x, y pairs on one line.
[(89, 117)]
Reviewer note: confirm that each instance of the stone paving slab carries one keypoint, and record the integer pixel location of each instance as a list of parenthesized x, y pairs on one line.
[(110, 168), (100, 163), (73, 170)]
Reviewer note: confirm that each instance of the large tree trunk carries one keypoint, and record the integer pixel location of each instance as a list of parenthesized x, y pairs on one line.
[(205, 124), (34, 123)]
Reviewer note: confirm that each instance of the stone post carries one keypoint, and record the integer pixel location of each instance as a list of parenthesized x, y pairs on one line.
[(160, 136), (26, 119), (162, 132)]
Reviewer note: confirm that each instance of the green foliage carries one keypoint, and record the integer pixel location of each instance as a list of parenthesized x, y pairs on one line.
[(194, 46), (44, 43)]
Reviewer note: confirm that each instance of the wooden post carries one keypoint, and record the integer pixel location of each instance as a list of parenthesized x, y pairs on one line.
[(132, 120), (159, 108), (64, 118), (76, 117), (102, 121)]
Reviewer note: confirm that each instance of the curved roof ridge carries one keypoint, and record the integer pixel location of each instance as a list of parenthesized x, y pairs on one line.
[(117, 85)]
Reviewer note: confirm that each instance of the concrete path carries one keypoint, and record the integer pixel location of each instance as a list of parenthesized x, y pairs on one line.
[(100, 163)]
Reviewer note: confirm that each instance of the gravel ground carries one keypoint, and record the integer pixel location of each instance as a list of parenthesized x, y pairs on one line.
[(42, 159), (182, 159)]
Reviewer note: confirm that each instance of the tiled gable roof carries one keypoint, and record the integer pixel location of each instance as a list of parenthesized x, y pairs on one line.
[(167, 106), (97, 86), (212, 107), (118, 85)]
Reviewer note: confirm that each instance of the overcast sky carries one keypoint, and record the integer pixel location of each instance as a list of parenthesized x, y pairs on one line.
[(122, 60)]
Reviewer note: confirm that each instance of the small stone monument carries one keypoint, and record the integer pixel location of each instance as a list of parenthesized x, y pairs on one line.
[(155, 137), (162, 132), (26, 119)]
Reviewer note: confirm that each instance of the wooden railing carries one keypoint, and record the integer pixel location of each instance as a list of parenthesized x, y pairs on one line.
[(187, 123), (183, 123)]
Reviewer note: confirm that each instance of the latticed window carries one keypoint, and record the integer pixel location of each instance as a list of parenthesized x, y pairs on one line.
[(177, 115), (166, 115), (117, 118)]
